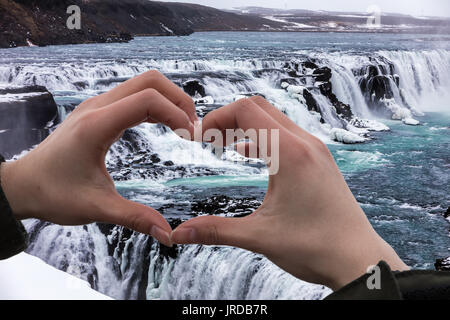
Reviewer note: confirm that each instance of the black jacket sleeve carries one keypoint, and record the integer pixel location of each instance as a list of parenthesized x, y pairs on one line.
[(408, 285), (13, 237)]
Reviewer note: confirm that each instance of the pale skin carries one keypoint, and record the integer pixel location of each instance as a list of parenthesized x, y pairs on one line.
[(309, 223)]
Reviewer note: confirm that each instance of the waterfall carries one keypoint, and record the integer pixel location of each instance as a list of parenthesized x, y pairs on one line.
[(211, 273), (347, 90), (131, 266), (424, 77)]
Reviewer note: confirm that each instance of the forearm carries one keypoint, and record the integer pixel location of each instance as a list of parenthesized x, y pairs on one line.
[(16, 189), (13, 238)]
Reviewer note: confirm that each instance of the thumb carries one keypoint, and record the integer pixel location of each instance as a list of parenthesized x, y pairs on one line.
[(142, 219), (211, 230)]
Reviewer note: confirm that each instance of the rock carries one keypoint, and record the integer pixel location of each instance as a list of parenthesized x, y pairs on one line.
[(442, 264), (26, 108), (26, 115), (168, 252), (226, 206), (379, 81), (292, 65), (168, 163), (397, 80), (310, 65), (204, 109), (131, 140), (372, 71), (322, 74), (154, 158), (342, 109), (310, 101), (194, 88), (14, 141), (293, 73), (447, 213), (204, 100), (379, 87)]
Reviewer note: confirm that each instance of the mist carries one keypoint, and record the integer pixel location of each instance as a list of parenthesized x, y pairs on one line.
[(439, 8)]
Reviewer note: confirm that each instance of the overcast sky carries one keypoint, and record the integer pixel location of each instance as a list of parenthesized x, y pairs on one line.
[(413, 7)]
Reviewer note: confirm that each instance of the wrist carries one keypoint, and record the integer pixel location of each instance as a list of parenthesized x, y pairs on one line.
[(361, 258), (14, 189)]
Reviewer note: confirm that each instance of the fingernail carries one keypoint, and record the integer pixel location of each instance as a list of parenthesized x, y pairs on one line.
[(161, 235), (183, 236)]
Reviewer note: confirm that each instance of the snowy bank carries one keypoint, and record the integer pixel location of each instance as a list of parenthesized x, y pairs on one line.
[(25, 277)]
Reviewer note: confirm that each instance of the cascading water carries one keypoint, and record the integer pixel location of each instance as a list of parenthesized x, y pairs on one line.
[(128, 265), (424, 77)]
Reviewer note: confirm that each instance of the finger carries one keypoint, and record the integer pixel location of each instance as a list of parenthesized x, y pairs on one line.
[(140, 218), (280, 117), (149, 80), (272, 138), (211, 230), (247, 149), (140, 107)]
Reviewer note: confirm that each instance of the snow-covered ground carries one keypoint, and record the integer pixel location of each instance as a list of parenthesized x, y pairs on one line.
[(25, 277)]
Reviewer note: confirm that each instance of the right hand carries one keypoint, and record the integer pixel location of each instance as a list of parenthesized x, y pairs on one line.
[(309, 224)]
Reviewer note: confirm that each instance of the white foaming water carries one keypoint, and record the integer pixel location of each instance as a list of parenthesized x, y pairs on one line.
[(206, 272), (424, 77), (346, 88), (81, 252), (226, 273)]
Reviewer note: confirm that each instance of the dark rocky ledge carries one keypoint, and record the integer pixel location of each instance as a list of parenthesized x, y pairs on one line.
[(442, 264), (26, 116)]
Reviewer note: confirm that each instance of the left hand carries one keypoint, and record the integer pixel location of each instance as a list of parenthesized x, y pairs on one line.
[(65, 181), (309, 224)]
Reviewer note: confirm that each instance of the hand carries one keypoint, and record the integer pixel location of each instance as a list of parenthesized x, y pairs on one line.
[(309, 224), (65, 181)]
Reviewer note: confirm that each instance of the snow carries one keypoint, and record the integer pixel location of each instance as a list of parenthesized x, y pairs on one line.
[(166, 28), (10, 97), (30, 44), (370, 125), (204, 100), (353, 16), (25, 277), (398, 112), (284, 85), (290, 24), (344, 136), (295, 89), (410, 121)]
